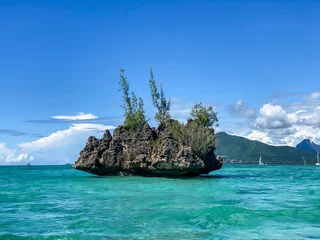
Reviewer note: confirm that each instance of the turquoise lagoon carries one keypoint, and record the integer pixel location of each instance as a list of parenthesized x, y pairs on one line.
[(236, 202)]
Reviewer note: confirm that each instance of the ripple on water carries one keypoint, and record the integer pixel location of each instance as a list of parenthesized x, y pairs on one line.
[(236, 202)]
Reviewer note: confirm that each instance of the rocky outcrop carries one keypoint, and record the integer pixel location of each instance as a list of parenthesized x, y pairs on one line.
[(147, 152)]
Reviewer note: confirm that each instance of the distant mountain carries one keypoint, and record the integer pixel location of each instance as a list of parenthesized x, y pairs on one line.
[(307, 145), (234, 149)]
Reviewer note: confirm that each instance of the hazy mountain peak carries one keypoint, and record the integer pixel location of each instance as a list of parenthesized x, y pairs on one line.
[(308, 145)]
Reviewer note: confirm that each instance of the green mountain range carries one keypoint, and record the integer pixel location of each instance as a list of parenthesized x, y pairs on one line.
[(235, 149)]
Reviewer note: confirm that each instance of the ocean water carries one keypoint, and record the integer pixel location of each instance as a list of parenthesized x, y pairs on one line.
[(236, 202)]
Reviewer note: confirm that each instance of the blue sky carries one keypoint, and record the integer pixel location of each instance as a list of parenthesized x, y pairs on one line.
[(256, 62)]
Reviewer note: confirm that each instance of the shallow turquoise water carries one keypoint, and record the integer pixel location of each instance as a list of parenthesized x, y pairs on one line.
[(236, 202)]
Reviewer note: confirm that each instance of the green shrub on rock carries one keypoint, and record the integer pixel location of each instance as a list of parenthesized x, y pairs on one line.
[(159, 101), (197, 133), (199, 138), (134, 112), (204, 116)]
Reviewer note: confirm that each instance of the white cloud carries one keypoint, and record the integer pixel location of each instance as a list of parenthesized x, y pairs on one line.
[(313, 119), (58, 148), (62, 146), (299, 133), (259, 136), (80, 116), (22, 156), (270, 110), (284, 124), (293, 118), (4, 150), (300, 111), (314, 95), (9, 156), (63, 137), (276, 124), (274, 116), (240, 109)]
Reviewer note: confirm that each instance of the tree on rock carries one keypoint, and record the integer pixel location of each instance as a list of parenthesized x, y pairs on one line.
[(204, 116), (133, 109), (159, 101)]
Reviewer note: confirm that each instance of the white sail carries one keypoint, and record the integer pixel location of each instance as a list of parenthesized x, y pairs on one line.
[(318, 162), (260, 161)]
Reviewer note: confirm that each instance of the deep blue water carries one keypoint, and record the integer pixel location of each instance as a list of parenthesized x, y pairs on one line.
[(236, 202)]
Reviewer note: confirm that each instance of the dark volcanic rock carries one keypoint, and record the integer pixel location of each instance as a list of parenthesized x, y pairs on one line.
[(147, 152)]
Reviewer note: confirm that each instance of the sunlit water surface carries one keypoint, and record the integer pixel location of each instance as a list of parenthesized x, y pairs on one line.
[(236, 202)]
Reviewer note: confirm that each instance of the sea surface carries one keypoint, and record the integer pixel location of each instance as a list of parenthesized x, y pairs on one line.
[(236, 202)]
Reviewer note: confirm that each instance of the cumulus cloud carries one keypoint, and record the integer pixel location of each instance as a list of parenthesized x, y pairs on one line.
[(277, 127), (80, 116), (240, 109), (293, 135), (9, 156), (60, 147), (63, 137), (299, 133), (260, 136), (22, 156), (4, 151), (282, 124), (313, 119), (274, 116)]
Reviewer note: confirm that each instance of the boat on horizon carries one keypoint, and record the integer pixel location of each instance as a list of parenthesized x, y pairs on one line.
[(261, 162), (318, 162)]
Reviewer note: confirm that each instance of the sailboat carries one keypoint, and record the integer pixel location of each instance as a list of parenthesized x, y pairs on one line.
[(318, 162), (260, 161), (304, 160), (28, 164)]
